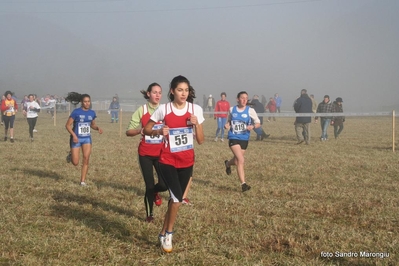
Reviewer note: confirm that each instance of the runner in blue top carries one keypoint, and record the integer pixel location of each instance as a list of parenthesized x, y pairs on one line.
[(239, 126), (79, 125)]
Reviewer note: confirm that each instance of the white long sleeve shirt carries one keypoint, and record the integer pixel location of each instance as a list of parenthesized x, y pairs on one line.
[(30, 106)]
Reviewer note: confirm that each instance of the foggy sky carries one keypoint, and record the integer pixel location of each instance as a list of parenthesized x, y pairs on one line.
[(343, 48)]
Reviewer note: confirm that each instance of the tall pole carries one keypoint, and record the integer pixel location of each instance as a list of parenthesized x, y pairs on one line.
[(120, 123), (393, 130)]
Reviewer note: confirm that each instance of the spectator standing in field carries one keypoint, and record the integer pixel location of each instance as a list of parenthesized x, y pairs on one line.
[(221, 106), (239, 124), (314, 105), (324, 107), (338, 121), (149, 148), (259, 109), (114, 109), (271, 106), (9, 108), (303, 105), (181, 118), (210, 103), (278, 101), (79, 125), (264, 101), (30, 111)]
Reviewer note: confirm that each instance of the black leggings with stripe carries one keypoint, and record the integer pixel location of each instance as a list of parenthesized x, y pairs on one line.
[(147, 165)]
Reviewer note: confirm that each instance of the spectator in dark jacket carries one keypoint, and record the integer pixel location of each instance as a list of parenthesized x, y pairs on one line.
[(303, 105), (259, 109), (114, 110), (338, 121)]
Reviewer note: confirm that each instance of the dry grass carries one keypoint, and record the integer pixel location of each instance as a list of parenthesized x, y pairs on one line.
[(326, 197)]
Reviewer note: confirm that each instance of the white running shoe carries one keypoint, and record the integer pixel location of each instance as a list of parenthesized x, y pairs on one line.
[(35, 130), (167, 242), (161, 239), (216, 139), (83, 184)]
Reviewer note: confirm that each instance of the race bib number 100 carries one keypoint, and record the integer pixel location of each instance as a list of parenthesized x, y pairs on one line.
[(181, 139), (83, 129)]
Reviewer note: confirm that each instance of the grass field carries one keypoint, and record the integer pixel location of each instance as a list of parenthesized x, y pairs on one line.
[(306, 203)]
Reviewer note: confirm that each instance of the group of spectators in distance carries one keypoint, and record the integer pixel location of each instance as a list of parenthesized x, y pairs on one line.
[(306, 104)]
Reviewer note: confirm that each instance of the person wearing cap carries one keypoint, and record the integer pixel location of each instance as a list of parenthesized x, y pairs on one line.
[(303, 105), (324, 107), (338, 121)]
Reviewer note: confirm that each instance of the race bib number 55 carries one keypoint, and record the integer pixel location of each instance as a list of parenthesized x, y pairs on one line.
[(181, 139)]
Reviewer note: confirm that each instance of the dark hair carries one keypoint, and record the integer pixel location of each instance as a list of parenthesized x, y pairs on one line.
[(149, 89), (75, 97), (191, 92), (240, 93), (223, 93), (31, 95), (175, 82), (7, 92)]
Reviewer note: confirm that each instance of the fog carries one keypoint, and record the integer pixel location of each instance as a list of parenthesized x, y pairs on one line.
[(343, 48)]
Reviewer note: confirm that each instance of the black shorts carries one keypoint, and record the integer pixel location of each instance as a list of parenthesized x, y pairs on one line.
[(243, 143), (8, 121), (176, 179)]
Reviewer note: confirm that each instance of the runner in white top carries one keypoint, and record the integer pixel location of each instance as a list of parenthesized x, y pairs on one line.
[(31, 109)]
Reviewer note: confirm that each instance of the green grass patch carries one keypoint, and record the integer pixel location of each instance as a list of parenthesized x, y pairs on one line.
[(334, 196)]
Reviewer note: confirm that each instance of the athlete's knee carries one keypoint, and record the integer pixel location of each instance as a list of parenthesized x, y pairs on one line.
[(75, 162), (85, 160), (240, 160)]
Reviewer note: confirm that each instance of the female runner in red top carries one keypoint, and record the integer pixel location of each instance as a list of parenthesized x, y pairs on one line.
[(181, 120), (149, 148)]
